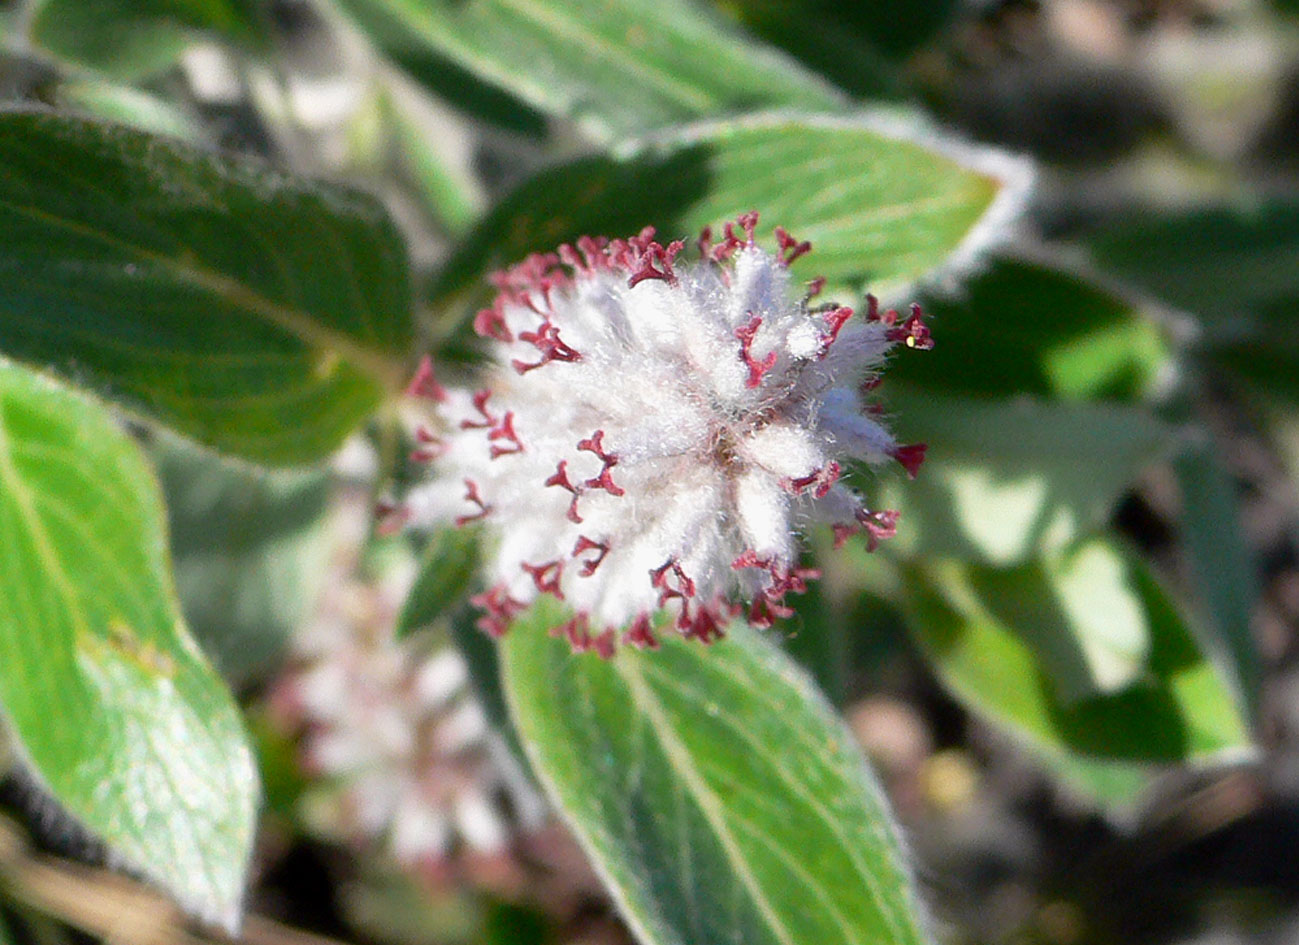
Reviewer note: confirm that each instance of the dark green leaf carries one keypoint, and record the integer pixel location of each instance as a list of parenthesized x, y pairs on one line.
[(988, 634), (447, 570), (1233, 269), (257, 313), (615, 66), (714, 789), (1022, 327), (878, 204), (853, 44), (1229, 265), (1005, 480), (1224, 572), (115, 711), (249, 551)]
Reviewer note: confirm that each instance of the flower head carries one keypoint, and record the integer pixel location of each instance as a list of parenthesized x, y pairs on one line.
[(654, 432)]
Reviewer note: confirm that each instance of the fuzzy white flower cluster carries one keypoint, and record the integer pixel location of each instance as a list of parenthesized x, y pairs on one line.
[(654, 433), (398, 750)]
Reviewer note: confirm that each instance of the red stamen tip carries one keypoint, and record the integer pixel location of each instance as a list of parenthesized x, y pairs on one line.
[(745, 334), (911, 457), (424, 385)]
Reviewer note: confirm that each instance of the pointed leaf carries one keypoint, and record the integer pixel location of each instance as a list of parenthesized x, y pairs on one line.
[(1005, 480), (714, 789), (257, 313), (992, 338), (113, 708), (985, 632), (882, 202)]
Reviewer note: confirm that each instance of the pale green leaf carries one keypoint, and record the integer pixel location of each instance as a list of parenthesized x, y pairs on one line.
[(998, 639), (614, 66), (714, 789), (113, 708), (881, 202)]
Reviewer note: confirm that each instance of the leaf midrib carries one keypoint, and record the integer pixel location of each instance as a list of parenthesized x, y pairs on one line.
[(678, 757), (389, 372)]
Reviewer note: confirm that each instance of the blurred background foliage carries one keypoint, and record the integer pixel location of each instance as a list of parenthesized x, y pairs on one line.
[(1075, 667)]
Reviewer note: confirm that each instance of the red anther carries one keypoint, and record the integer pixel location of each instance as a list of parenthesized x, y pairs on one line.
[(490, 322), (705, 243), (424, 384), (504, 430), (585, 544), (913, 332), (746, 333), (765, 611), (390, 517), (790, 248), (749, 558), (593, 252), (430, 448), (471, 495), (911, 457), (546, 340), (576, 631), (835, 319), (871, 383), (649, 254), (498, 607), (749, 223), (843, 532), (793, 581), (820, 480), (872, 308), (705, 625), (595, 444), (875, 410), (659, 578), (571, 258), (641, 634), (879, 526), (546, 576), (815, 286), (560, 478), (605, 481), (480, 404), (605, 644)]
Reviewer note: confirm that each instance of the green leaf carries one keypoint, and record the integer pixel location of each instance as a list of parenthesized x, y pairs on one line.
[(1225, 574), (259, 314), (713, 788), (114, 709), (1219, 262), (1022, 327), (1008, 479), (133, 39), (249, 550), (991, 636), (881, 202), (614, 66), (129, 106), (1233, 269), (447, 570)]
